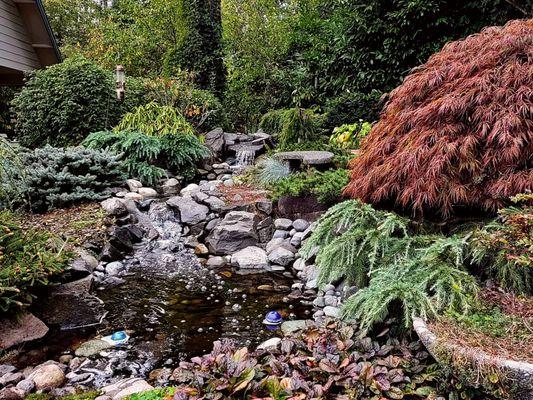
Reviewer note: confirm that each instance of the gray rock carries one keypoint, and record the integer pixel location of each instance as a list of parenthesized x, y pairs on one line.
[(273, 244), (11, 378), (280, 234), (281, 256), (235, 232), (250, 258), (26, 385), (216, 261), (296, 240), (283, 223), (92, 347), (189, 189), (24, 328), (214, 203), (330, 311), (133, 185), (319, 302), (212, 224), (264, 206), (200, 197), (114, 268), (330, 300), (214, 140), (6, 368), (301, 225), (191, 212), (293, 326), (114, 207)]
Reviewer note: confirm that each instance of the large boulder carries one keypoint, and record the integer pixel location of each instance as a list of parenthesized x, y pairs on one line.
[(235, 232), (250, 258), (114, 207), (281, 256), (24, 328), (214, 140), (191, 213)]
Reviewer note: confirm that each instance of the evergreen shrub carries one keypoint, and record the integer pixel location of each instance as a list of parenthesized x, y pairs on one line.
[(58, 177), (62, 104)]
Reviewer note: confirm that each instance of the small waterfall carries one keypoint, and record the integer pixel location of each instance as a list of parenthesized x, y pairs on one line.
[(245, 157)]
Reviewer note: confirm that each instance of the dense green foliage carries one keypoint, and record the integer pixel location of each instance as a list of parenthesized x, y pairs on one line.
[(291, 126), (504, 247), (349, 136), (155, 120), (326, 186), (341, 55), (378, 252), (11, 169), (7, 94), (58, 177), (147, 157), (28, 258), (62, 104)]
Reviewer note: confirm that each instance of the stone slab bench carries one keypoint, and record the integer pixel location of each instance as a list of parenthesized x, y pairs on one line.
[(309, 158)]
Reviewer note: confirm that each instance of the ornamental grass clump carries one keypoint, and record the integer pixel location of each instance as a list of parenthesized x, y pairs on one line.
[(458, 133)]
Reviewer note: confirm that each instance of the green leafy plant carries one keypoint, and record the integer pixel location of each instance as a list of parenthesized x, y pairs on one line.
[(155, 120), (62, 104), (293, 125), (28, 258), (58, 177), (349, 136), (146, 157), (378, 252), (327, 185)]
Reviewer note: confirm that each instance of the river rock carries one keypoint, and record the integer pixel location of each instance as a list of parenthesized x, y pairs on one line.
[(26, 385), (114, 207), (92, 347), (283, 224), (216, 261), (330, 300), (47, 376), (191, 212), (300, 225), (133, 185), (147, 193), (280, 234), (330, 311), (133, 196), (24, 328), (296, 240), (11, 378), (235, 232), (114, 268), (126, 387), (250, 258), (201, 250), (295, 325), (170, 187), (214, 203), (281, 256)]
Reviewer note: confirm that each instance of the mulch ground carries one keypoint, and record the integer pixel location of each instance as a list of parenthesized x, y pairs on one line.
[(76, 225), (515, 344), (242, 194)]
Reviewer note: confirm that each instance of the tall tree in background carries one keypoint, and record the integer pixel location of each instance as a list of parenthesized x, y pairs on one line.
[(201, 49)]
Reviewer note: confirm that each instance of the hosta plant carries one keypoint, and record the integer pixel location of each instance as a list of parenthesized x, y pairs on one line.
[(456, 135), (349, 136)]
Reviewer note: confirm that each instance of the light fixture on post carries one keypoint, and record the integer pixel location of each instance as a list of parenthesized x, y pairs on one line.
[(120, 75)]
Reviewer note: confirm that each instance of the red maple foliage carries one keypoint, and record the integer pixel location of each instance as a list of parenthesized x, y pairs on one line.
[(458, 133)]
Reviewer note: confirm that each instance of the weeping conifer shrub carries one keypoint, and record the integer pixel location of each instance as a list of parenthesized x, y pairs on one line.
[(457, 133), (379, 252)]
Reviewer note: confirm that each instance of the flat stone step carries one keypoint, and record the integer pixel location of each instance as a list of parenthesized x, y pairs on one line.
[(306, 157)]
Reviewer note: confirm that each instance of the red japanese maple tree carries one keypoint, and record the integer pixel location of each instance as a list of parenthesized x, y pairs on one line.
[(458, 132)]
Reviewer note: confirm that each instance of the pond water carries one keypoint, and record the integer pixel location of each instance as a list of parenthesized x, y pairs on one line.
[(174, 308)]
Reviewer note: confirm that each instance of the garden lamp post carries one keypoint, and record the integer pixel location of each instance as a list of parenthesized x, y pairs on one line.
[(120, 75)]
